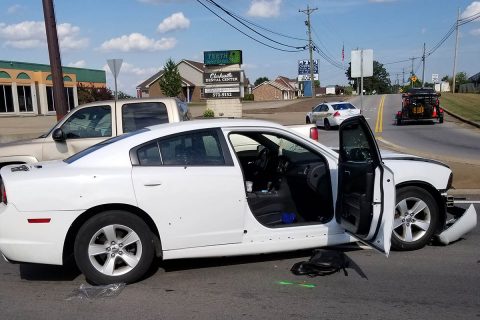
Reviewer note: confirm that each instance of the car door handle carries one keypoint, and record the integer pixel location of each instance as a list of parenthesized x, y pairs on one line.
[(153, 184), (347, 172)]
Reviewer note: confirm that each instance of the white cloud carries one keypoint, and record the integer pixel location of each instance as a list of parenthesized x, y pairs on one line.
[(137, 42), (475, 32), (31, 34), (14, 9), (175, 22), (472, 9), (264, 8), (78, 64)]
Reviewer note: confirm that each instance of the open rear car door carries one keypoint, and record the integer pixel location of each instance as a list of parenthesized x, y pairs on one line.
[(366, 190)]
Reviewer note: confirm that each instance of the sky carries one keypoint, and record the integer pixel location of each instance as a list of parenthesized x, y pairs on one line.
[(145, 33)]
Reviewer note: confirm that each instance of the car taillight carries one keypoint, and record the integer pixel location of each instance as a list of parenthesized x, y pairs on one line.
[(3, 192), (314, 133), (441, 110), (336, 114)]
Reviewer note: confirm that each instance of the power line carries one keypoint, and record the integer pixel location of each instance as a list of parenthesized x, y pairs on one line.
[(247, 35), (263, 28), (250, 28)]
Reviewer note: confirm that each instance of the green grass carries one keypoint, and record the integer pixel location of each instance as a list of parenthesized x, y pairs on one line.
[(466, 105)]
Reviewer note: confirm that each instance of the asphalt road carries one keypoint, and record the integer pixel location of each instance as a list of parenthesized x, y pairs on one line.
[(433, 283), (451, 139)]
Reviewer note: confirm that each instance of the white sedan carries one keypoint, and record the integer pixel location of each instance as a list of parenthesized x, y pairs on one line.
[(213, 188), (331, 114)]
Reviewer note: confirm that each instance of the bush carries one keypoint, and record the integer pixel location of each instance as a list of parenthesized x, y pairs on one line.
[(208, 113), (248, 97), (348, 91)]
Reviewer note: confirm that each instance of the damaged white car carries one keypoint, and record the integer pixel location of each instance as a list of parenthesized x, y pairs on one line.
[(218, 188)]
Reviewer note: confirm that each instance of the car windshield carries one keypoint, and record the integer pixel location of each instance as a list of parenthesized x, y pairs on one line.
[(342, 106), (102, 144)]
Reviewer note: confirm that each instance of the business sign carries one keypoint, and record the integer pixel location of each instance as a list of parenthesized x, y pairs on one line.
[(217, 58), (362, 63), (304, 67), (221, 77), (435, 77), (306, 77), (222, 92)]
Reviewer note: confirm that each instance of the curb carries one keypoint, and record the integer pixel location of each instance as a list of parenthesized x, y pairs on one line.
[(470, 122)]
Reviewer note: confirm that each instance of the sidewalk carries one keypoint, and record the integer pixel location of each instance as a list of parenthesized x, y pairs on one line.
[(20, 128)]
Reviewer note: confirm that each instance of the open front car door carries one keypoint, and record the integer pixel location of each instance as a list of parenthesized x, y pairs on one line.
[(366, 190)]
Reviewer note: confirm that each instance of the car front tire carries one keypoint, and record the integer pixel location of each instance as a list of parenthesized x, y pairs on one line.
[(114, 247), (307, 120), (416, 218)]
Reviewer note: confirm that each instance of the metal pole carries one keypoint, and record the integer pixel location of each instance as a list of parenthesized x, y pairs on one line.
[(423, 72), (59, 96), (455, 55), (308, 11), (361, 81)]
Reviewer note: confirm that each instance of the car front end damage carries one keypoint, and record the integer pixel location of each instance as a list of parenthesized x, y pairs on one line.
[(461, 221)]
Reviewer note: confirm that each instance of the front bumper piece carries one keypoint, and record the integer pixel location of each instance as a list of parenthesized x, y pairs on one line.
[(464, 221)]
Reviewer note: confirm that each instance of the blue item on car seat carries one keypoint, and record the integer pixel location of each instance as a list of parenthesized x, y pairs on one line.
[(288, 217)]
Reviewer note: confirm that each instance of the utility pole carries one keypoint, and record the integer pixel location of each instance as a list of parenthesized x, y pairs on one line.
[(403, 77), (308, 11), (411, 73), (423, 72), (455, 55), (59, 96)]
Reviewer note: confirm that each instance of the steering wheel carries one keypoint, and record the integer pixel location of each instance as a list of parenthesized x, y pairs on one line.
[(263, 159)]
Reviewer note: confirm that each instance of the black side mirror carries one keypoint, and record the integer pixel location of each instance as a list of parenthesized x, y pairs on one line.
[(58, 135)]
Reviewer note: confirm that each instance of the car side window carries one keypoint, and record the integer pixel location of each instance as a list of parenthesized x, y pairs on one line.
[(91, 122), (324, 108), (140, 115), (149, 155), (199, 148), (317, 108), (355, 146)]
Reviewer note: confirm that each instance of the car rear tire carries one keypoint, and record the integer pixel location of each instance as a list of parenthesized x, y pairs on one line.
[(326, 124), (114, 247), (440, 120), (416, 218), (307, 120), (399, 122)]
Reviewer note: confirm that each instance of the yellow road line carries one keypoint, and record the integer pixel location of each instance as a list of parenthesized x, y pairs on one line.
[(379, 122)]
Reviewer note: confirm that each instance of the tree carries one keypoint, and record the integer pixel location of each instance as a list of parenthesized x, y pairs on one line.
[(260, 81), (460, 78), (316, 83), (379, 82), (122, 95), (90, 93), (171, 81)]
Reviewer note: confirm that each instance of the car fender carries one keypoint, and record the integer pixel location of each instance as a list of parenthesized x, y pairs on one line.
[(418, 169)]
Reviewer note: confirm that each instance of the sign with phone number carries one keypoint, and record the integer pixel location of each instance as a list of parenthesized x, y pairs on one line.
[(222, 92)]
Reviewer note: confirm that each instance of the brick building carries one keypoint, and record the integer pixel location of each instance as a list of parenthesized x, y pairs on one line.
[(192, 82), (281, 88)]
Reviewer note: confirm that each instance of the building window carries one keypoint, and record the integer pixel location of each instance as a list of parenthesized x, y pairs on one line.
[(6, 99), (51, 102), (25, 98)]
